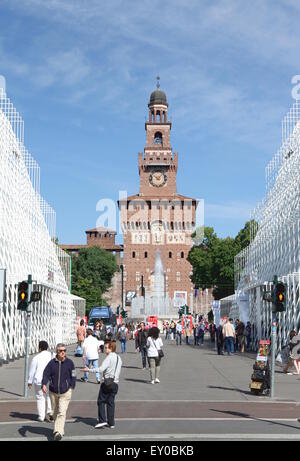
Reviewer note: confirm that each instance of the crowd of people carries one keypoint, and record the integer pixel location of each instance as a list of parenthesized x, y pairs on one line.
[(54, 376), (228, 337)]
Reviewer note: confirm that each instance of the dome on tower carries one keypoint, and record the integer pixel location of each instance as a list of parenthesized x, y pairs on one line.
[(158, 97)]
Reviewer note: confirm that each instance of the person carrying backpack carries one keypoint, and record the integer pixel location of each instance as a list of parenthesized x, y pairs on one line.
[(122, 336)]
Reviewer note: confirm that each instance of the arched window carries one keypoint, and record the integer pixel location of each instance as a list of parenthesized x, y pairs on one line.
[(170, 254), (182, 254), (158, 138), (146, 254), (133, 254)]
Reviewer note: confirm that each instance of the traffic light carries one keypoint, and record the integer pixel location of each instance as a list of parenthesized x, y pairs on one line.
[(118, 310), (125, 314), (186, 309), (23, 300), (279, 297)]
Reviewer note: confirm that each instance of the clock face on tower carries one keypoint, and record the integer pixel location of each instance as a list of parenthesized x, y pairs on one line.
[(157, 179)]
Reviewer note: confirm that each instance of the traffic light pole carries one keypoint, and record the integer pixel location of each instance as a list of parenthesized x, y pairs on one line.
[(273, 346), (28, 328)]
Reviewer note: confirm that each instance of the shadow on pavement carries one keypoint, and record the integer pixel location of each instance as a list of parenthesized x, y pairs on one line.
[(231, 389), (12, 393), (134, 368), (144, 381), (88, 421), (48, 433), (15, 414), (247, 416)]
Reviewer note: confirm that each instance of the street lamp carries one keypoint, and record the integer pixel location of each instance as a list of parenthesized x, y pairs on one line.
[(122, 285)]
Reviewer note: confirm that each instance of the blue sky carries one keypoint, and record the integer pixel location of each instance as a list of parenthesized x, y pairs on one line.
[(81, 73)]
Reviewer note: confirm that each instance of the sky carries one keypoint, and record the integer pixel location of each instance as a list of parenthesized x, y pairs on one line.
[(80, 72)]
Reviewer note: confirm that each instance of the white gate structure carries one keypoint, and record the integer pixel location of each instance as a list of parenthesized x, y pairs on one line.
[(275, 241), (27, 246)]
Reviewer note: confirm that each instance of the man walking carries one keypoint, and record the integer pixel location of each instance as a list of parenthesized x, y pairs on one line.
[(229, 335), (37, 367), (201, 331), (123, 335), (91, 354), (178, 333), (60, 371), (141, 343)]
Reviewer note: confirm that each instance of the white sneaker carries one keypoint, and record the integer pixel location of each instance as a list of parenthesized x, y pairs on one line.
[(100, 425), (157, 380), (153, 382)]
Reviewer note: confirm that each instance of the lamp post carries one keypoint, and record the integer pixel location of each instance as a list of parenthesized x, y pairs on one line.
[(122, 285)]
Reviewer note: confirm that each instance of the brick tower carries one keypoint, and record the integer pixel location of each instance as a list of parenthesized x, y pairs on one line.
[(157, 218)]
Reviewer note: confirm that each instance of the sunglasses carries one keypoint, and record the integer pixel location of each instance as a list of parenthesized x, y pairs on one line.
[(61, 350)]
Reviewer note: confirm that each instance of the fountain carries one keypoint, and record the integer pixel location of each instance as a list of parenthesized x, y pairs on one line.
[(156, 301)]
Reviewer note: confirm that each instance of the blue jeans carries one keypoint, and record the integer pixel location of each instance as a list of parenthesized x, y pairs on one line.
[(144, 355), (178, 338), (123, 346), (94, 364), (201, 339), (229, 345)]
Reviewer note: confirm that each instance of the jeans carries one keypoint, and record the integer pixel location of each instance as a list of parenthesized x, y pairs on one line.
[(178, 338), (94, 364), (201, 339), (108, 399), (143, 350), (187, 340), (123, 345), (229, 344)]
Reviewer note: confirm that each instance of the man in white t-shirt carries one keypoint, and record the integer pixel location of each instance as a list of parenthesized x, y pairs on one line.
[(90, 348), (178, 333), (37, 367)]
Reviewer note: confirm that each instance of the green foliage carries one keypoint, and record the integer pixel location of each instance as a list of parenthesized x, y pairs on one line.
[(243, 237), (213, 261), (92, 273)]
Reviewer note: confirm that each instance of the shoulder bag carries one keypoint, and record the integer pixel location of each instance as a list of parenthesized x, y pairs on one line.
[(160, 351), (109, 382)]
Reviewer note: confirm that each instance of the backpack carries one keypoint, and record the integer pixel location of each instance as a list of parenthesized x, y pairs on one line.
[(122, 334)]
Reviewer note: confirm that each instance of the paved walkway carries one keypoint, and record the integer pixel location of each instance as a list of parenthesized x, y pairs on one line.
[(198, 393)]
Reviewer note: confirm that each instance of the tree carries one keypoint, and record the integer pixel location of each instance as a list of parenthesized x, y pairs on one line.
[(243, 239), (85, 288), (213, 260), (92, 273)]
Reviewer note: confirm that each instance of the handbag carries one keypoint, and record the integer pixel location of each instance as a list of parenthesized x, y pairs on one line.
[(109, 382), (160, 351)]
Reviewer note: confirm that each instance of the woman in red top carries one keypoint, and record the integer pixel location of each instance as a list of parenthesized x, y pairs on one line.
[(81, 332)]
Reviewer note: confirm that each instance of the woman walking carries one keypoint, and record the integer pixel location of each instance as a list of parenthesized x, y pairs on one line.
[(81, 333), (110, 370), (154, 348)]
